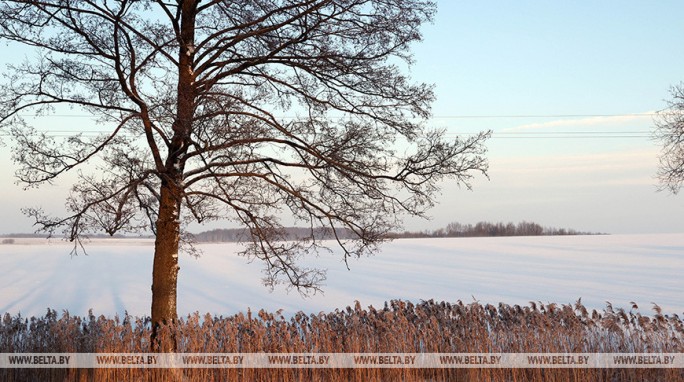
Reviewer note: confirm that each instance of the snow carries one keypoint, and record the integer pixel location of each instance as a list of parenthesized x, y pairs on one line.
[(115, 276)]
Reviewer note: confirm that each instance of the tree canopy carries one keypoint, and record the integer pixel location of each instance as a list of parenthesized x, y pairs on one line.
[(250, 111)]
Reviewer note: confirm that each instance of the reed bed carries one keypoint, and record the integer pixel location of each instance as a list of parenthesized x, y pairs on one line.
[(398, 327)]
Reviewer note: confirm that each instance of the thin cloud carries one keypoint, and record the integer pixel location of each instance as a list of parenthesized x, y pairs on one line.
[(603, 121), (628, 167), (615, 160)]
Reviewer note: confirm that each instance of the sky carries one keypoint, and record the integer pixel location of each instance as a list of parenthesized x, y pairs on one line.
[(569, 90)]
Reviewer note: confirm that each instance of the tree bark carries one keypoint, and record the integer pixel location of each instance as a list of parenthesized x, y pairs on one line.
[(165, 267)]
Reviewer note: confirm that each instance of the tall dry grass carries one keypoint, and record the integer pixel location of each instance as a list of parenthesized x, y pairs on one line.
[(396, 328)]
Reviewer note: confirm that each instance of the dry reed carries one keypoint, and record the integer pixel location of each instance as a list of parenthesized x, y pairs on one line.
[(426, 327)]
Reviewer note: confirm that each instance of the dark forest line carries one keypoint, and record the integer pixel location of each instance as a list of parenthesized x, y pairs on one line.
[(488, 229), (455, 229), (481, 229)]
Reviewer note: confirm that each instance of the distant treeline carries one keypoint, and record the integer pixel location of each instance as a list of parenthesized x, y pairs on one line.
[(481, 229), (89, 236), (487, 229), (289, 233)]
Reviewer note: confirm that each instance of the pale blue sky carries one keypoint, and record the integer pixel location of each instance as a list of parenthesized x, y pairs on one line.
[(506, 59), (552, 58)]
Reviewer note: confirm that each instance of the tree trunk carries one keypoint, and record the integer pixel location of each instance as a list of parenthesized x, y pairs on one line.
[(165, 267)]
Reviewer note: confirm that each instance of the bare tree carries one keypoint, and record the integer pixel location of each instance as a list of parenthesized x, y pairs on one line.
[(669, 131), (240, 110)]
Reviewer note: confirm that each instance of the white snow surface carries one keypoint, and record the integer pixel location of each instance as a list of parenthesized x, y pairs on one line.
[(116, 274)]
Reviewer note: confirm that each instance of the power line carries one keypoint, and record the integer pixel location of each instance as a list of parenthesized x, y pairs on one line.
[(573, 132), (577, 137), (58, 115), (473, 116), (504, 135), (494, 116), (584, 134), (637, 134)]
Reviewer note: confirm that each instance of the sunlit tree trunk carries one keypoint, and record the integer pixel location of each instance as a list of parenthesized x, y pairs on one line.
[(165, 268)]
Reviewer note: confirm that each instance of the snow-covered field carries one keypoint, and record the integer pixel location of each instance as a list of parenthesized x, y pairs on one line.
[(116, 275)]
